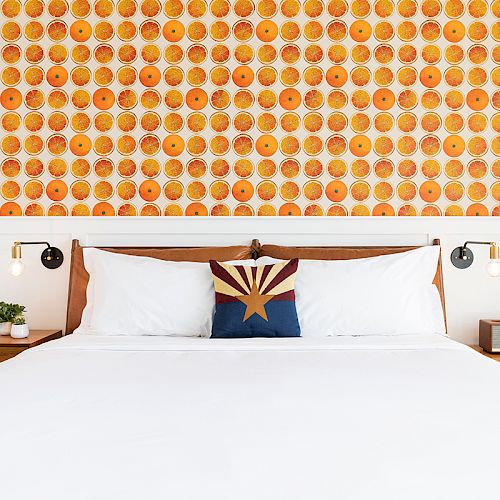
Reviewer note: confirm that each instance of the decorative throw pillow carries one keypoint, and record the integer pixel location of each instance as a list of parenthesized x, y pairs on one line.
[(255, 301)]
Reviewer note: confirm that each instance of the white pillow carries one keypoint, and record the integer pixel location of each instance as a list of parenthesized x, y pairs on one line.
[(384, 295), (130, 295)]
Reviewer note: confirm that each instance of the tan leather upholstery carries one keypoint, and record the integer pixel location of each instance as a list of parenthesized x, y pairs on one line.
[(79, 277), (344, 253)]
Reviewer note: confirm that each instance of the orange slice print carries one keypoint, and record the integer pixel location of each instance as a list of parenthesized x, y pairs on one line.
[(220, 210), (454, 211), (406, 190), (336, 210), (383, 210), (454, 169)]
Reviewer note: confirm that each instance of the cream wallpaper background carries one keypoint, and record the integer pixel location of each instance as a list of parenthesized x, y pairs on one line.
[(250, 108)]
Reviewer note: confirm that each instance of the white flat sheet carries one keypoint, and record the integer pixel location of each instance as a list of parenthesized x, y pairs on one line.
[(141, 418)]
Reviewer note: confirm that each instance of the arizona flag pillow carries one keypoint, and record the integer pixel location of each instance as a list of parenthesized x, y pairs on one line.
[(255, 301)]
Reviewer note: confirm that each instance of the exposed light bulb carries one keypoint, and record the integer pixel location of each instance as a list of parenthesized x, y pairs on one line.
[(493, 268), (16, 267)]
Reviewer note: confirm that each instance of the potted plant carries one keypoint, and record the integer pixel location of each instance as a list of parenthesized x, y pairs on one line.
[(19, 328), (8, 313), (5, 319)]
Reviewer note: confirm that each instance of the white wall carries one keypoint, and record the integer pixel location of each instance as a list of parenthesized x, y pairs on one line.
[(470, 294)]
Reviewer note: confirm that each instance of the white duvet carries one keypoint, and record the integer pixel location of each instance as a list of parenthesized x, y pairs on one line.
[(142, 418)]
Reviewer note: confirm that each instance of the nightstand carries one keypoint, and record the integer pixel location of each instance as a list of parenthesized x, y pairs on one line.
[(10, 347), (477, 348)]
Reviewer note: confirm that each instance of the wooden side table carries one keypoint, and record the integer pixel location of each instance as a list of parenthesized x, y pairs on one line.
[(10, 347), (477, 348)]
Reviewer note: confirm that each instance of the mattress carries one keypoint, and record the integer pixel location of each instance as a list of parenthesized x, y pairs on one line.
[(348, 418)]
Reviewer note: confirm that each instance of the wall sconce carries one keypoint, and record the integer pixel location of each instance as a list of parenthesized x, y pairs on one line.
[(462, 257), (51, 257)]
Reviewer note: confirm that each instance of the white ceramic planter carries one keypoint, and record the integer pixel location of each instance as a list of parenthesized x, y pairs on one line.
[(5, 328), (19, 331)]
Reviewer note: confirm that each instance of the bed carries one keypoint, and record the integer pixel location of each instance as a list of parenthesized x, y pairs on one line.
[(353, 418)]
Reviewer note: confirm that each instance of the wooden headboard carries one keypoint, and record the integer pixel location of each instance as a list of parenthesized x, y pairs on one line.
[(344, 253), (79, 277)]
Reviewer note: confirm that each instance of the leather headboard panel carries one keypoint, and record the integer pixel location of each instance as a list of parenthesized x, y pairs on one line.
[(344, 253), (79, 277)]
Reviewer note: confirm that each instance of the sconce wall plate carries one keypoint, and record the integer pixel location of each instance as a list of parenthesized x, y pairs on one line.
[(52, 258), (462, 257)]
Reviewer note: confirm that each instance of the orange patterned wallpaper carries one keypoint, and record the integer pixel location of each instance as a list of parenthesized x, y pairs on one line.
[(199, 107)]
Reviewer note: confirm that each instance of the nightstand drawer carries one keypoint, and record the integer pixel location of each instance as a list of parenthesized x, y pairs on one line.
[(9, 352), (10, 347)]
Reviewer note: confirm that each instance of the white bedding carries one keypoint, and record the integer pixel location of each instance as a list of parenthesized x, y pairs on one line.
[(336, 418)]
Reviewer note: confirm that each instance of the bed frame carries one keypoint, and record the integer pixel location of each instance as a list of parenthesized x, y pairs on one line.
[(79, 277)]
